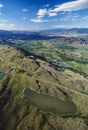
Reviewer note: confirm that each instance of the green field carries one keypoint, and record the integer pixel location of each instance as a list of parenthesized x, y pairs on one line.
[(56, 52)]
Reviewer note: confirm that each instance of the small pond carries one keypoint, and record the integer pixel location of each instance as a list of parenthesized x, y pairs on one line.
[(64, 64), (2, 74)]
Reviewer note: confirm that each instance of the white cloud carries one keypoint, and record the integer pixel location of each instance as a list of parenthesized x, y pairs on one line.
[(85, 18), (38, 20), (62, 26), (4, 20), (0, 13), (24, 18), (54, 20), (46, 5), (6, 26), (74, 19), (71, 6), (11, 25), (52, 14), (1, 5), (65, 7), (70, 26), (41, 13), (24, 10), (62, 8), (70, 16)]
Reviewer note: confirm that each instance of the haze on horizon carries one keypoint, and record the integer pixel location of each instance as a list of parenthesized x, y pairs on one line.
[(37, 15)]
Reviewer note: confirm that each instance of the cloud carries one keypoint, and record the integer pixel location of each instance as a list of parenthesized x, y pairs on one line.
[(47, 5), (65, 7), (62, 8), (0, 13), (71, 6), (85, 18), (52, 14), (24, 18), (38, 20), (41, 13), (70, 16), (54, 20), (24, 10), (1, 5), (6, 26), (70, 26), (62, 26), (4, 20)]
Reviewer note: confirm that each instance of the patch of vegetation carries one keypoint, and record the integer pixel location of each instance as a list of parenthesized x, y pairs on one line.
[(65, 46)]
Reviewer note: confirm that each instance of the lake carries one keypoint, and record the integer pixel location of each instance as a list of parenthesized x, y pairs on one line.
[(64, 64), (2, 74)]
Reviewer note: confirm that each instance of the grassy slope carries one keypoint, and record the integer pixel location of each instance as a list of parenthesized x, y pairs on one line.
[(17, 114)]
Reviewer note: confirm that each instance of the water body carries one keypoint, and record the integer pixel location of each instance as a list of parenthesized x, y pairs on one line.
[(2, 74), (64, 64), (49, 103)]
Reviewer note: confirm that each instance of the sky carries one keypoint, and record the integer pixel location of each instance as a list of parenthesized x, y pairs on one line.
[(43, 14)]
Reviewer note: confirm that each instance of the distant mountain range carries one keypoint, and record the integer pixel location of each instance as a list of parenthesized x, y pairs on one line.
[(72, 30), (44, 34), (24, 35), (60, 30)]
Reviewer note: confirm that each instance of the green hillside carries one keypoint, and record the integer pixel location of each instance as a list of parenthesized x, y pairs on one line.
[(25, 71)]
